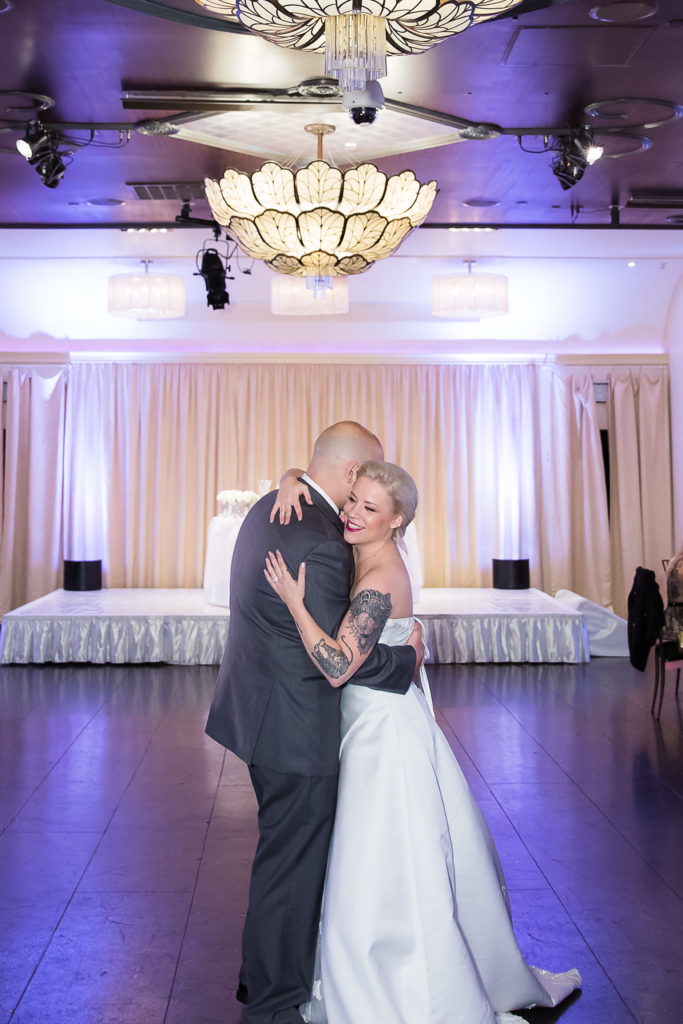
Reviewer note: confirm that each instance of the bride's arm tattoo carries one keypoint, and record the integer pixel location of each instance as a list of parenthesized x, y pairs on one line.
[(368, 614), (334, 663)]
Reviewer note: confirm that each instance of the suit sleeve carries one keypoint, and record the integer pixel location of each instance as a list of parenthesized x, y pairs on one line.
[(387, 668), (328, 581)]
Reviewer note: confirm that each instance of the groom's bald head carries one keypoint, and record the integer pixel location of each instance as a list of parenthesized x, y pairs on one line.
[(347, 440), (337, 454)]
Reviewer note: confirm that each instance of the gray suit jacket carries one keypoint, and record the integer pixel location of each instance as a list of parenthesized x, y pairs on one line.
[(271, 706)]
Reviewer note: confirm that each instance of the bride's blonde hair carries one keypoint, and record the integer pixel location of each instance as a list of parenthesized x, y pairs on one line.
[(398, 484)]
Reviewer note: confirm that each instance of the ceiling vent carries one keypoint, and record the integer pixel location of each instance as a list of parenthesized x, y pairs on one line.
[(181, 191)]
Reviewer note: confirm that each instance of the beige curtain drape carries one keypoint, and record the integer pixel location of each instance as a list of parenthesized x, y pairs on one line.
[(574, 526), (31, 484), (641, 509), (151, 445), (128, 458)]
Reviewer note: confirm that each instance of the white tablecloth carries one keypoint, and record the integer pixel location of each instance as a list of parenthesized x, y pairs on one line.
[(118, 626), (479, 624), (220, 544), (607, 632), (178, 626)]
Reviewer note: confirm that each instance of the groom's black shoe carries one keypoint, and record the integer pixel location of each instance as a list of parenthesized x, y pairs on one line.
[(242, 993)]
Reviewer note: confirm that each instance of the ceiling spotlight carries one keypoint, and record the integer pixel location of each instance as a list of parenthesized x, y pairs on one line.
[(593, 153), (39, 148), (574, 154), (35, 141), (213, 272)]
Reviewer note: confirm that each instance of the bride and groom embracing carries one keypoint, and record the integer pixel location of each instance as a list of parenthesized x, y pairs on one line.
[(376, 894)]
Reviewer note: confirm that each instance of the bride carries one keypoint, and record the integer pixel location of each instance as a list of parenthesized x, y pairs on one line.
[(415, 925)]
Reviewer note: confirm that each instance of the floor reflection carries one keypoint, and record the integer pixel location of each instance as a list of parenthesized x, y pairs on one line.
[(127, 836)]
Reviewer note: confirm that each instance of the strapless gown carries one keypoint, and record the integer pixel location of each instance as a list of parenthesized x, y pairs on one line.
[(415, 925)]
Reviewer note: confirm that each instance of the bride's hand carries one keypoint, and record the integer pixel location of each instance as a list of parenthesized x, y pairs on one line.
[(280, 579), (288, 497)]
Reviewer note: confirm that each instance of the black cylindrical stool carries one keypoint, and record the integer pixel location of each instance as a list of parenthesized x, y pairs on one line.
[(83, 575), (511, 573)]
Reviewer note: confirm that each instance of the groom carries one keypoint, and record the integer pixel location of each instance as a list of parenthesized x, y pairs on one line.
[(277, 712)]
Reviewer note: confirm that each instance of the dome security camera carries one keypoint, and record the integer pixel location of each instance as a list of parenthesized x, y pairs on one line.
[(364, 105)]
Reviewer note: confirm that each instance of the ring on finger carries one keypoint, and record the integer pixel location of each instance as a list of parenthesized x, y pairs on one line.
[(274, 579)]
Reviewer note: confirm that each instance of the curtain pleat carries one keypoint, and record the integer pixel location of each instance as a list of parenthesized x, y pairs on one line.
[(641, 507), (573, 524), (32, 484)]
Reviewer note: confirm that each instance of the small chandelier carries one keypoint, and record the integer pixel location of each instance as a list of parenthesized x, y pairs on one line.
[(319, 222), (469, 296), (146, 296), (357, 35), (292, 296)]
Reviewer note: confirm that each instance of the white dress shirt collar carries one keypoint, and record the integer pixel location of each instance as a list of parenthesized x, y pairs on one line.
[(316, 487)]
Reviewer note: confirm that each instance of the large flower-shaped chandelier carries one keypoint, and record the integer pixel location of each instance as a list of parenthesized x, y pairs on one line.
[(357, 35), (319, 222)]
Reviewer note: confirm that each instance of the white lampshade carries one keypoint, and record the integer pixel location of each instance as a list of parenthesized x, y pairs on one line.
[(469, 296), (146, 296), (291, 296)]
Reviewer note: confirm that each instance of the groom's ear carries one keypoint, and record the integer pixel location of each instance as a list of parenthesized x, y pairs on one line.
[(351, 471)]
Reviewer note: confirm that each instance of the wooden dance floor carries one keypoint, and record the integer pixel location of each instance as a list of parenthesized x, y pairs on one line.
[(179, 627)]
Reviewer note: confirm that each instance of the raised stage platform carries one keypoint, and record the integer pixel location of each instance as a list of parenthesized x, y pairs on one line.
[(179, 627)]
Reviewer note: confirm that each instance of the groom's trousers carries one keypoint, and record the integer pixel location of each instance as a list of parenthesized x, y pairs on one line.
[(295, 819)]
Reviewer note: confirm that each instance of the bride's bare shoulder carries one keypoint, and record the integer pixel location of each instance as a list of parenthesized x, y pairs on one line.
[(390, 577)]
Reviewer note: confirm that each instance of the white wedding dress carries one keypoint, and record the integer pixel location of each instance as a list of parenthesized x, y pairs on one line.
[(415, 926)]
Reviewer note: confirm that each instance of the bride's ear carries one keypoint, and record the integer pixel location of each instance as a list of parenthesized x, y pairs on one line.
[(396, 522)]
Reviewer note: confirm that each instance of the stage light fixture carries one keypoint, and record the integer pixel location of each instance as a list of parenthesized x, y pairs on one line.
[(51, 170), (213, 272), (35, 141), (39, 149), (574, 154)]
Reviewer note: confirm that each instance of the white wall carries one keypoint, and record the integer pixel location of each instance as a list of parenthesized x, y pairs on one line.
[(571, 294)]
